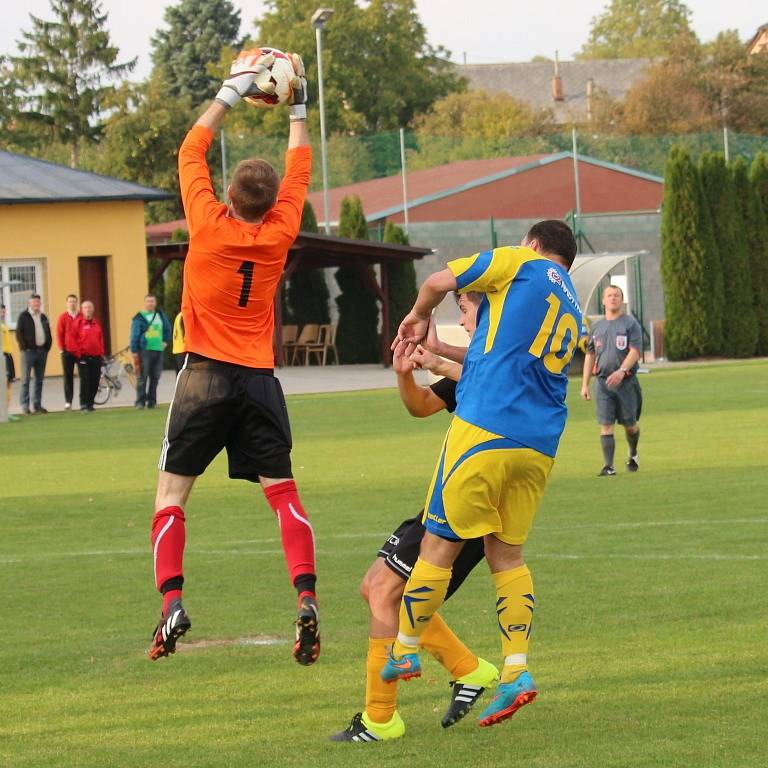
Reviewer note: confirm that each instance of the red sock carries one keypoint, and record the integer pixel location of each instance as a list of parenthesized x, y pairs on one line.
[(168, 537), (169, 597), (295, 529)]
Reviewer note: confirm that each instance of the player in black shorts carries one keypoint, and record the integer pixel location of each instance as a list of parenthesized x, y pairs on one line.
[(382, 586), (226, 394)]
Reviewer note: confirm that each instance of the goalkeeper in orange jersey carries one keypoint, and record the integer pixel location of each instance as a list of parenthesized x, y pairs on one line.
[(226, 395), (382, 586)]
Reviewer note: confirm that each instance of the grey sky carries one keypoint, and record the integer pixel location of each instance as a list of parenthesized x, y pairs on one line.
[(487, 30)]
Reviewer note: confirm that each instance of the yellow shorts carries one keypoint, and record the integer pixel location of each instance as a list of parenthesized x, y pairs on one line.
[(485, 483)]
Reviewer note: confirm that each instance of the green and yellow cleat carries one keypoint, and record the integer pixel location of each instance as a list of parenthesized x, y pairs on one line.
[(362, 728)]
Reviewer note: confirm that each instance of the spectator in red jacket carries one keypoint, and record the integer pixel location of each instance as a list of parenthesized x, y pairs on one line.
[(67, 346), (89, 339)]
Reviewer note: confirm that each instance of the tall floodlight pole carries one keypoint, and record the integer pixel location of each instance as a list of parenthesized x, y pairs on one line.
[(319, 19), (223, 165), (405, 180), (577, 188)]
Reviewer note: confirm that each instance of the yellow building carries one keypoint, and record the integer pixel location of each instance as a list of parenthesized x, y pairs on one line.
[(66, 231)]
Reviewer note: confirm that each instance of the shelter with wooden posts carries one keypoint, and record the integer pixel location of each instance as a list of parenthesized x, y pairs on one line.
[(309, 251)]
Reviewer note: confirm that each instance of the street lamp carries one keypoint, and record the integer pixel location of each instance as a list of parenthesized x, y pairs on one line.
[(319, 19)]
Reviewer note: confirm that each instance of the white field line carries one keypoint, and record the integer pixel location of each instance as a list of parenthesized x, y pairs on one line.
[(10, 558)]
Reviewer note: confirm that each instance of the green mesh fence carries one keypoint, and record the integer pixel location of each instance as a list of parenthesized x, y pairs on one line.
[(352, 159)]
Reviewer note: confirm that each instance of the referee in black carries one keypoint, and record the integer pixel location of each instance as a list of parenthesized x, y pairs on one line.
[(613, 350)]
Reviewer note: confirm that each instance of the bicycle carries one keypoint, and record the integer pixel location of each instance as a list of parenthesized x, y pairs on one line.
[(112, 370)]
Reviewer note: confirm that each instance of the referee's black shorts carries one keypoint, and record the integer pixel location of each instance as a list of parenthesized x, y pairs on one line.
[(401, 549), (221, 405)]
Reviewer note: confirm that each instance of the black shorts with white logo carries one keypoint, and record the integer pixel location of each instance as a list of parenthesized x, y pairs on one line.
[(221, 405), (402, 548)]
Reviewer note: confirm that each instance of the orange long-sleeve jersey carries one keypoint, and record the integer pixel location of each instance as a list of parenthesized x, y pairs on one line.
[(233, 268)]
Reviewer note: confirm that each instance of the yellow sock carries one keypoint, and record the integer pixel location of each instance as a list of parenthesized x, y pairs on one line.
[(439, 640), (514, 607), (380, 697), (424, 594)]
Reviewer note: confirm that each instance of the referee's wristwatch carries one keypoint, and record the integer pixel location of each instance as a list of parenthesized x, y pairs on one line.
[(625, 371)]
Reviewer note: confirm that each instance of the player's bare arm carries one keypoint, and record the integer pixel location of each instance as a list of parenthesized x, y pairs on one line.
[(415, 325), (419, 401), (428, 361), (433, 343)]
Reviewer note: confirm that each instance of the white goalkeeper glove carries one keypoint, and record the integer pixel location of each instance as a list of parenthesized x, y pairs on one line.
[(298, 100), (249, 74)]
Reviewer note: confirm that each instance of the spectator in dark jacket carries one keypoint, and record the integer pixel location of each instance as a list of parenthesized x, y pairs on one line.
[(67, 347), (150, 334), (89, 339), (33, 334)]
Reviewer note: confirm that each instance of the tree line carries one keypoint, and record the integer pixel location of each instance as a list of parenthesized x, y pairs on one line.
[(715, 256)]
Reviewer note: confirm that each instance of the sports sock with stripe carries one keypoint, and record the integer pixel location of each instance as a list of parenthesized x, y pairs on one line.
[(439, 640), (380, 697), (295, 531), (423, 595), (514, 609), (168, 539)]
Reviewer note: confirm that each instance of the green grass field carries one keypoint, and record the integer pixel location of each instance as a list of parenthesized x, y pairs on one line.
[(650, 644)]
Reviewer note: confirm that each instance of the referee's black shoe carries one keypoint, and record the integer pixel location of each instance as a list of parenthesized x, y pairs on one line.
[(633, 464), (606, 471), (306, 649), (174, 624)]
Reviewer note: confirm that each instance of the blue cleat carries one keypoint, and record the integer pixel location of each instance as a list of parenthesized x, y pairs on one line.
[(508, 699), (401, 668)]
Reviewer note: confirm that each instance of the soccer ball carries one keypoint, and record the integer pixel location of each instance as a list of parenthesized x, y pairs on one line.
[(281, 74)]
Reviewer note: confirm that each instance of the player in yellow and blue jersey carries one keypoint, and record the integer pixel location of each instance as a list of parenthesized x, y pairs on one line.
[(501, 444)]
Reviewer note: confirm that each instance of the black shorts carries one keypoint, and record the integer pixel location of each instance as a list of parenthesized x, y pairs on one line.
[(221, 405), (401, 549)]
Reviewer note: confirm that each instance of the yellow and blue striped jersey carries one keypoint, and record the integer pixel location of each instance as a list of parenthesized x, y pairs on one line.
[(514, 379)]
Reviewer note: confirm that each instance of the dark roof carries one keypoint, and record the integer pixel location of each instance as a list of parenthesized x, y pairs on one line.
[(29, 180), (319, 250), (531, 82), (315, 250)]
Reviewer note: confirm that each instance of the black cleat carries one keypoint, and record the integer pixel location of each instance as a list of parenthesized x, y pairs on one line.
[(466, 691), (606, 471), (633, 464), (463, 698), (172, 627), (306, 649)]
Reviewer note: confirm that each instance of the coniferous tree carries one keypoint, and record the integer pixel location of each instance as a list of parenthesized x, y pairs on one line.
[(190, 46), (758, 175), (307, 293), (739, 324), (714, 280), (358, 335), (684, 259), (63, 69), (757, 249), (402, 280)]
